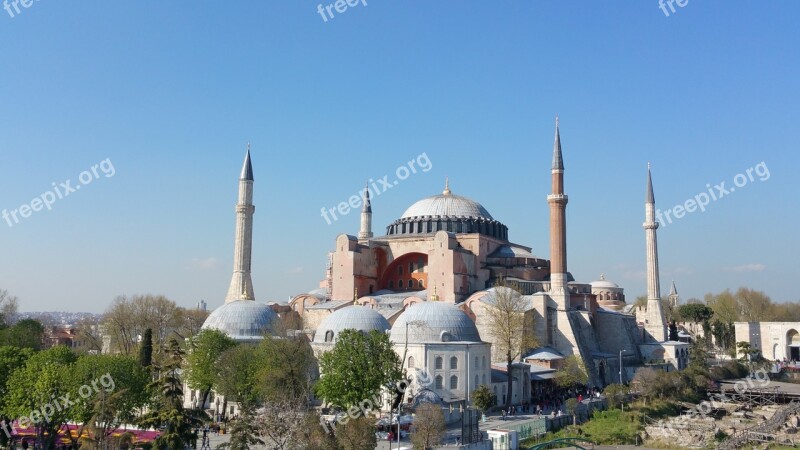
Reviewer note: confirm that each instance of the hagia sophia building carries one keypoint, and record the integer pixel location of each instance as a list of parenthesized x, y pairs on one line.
[(430, 281)]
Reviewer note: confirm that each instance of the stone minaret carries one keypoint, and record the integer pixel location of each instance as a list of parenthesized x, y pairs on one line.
[(655, 326), (241, 285), (558, 229), (366, 218)]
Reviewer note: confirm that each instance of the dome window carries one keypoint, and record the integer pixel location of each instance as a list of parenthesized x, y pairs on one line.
[(439, 382), (410, 362), (454, 382), (446, 336), (438, 363), (453, 363), (329, 336)]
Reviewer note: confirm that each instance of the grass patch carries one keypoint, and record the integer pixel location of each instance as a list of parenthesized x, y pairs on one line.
[(612, 427)]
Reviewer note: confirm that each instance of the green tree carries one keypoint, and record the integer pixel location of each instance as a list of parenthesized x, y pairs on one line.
[(358, 368), (11, 359), (237, 375), (8, 308), (511, 328), (119, 390), (356, 434), (167, 410), (615, 394), (27, 333), (244, 432), (483, 398), (724, 305), (572, 409), (755, 306), (32, 389), (696, 312), (572, 373), (429, 427), (203, 360), (146, 349), (286, 367)]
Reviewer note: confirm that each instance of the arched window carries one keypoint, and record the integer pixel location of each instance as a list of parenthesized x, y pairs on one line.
[(454, 382), (483, 364), (421, 284), (421, 264), (453, 363), (410, 267), (437, 363), (483, 378), (399, 284), (476, 382), (391, 284), (329, 336), (400, 269), (439, 382), (410, 362), (476, 363)]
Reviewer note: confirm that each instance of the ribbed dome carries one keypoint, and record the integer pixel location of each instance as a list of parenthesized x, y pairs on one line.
[(447, 205), (603, 283), (242, 320), (361, 318), (434, 322)]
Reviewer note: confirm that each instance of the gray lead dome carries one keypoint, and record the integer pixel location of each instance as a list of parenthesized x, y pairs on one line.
[(431, 321), (360, 318), (242, 320)]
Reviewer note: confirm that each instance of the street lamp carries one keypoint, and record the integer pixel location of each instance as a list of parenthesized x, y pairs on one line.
[(620, 365)]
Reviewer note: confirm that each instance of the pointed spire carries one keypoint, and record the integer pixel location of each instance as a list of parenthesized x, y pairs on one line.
[(673, 290), (446, 190), (247, 168), (558, 160), (650, 197), (367, 206)]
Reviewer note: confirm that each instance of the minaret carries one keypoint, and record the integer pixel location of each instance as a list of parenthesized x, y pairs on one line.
[(241, 285), (366, 217), (558, 228), (655, 325)]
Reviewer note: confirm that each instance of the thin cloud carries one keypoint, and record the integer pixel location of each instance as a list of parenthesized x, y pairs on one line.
[(745, 268), (295, 271), (203, 264)]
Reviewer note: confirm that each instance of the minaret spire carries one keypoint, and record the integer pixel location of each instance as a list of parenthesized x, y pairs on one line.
[(241, 287), (366, 216), (558, 228), (446, 186), (655, 324)]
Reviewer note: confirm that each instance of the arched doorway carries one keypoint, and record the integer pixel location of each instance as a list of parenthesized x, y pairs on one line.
[(793, 345), (602, 371)]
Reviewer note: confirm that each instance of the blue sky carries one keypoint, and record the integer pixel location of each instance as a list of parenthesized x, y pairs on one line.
[(170, 93)]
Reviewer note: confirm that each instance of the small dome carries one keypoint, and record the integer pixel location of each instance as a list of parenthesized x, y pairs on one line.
[(602, 283), (361, 318), (447, 205), (242, 320), (434, 322)]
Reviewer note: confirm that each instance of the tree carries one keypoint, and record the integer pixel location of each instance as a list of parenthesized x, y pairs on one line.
[(615, 394), (640, 302), (146, 349), (244, 433), (572, 373), (46, 375), (696, 313), (190, 321), (89, 334), (121, 390), (673, 331), (167, 410), (572, 409), (755, 306), (511, 328), (312, 436), (237, 375), (747, 352), (356, 434), (27, 333), (724, 305), (202, 363), (11, 359), (281, 420), (483, 398), (9, 305), (429, 427), (358, 368), (127, 319), (287, 364)]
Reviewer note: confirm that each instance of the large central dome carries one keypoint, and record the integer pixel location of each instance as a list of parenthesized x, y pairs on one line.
[(447, 212), (447, 205)]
